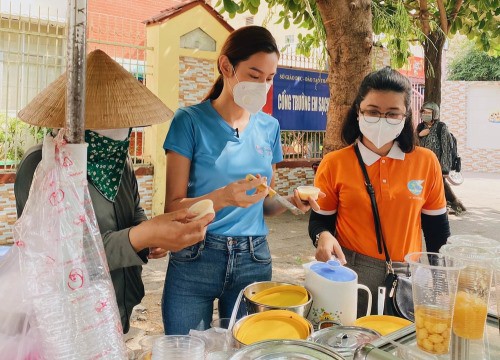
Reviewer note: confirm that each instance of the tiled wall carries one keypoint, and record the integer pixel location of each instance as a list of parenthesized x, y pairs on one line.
[(7, 212), (8, 205), (288, 178), (454, 114), (145, 183), (195, 79)]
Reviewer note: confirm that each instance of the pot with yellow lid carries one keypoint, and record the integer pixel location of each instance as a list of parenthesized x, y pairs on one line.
[(271, 325), (272, 295)]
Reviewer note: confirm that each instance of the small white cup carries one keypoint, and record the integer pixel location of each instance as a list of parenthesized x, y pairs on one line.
[(306, 192)]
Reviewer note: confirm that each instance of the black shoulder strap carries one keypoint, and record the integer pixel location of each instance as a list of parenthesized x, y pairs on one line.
[(376, 217), (440, 130)]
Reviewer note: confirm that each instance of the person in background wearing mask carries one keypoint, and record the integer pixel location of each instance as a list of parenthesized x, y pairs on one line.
[(129, 238), (210, 148), (406, 180), (429, 138)]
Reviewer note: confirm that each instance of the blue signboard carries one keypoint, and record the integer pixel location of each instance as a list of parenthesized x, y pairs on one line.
[(300, 99)]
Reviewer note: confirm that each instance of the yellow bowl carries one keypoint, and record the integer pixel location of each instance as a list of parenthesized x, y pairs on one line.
[(271, 325), (384, 324), (282, 296)]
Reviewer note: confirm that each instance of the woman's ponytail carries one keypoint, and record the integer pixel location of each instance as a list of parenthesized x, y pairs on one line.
[(216, 89)]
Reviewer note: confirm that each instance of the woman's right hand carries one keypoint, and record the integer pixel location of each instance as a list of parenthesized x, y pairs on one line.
[(170, 231), (235, 193), (424, 132), (329, 247)]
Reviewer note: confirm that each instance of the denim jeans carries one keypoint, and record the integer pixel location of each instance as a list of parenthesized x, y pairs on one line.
[(219, 267)]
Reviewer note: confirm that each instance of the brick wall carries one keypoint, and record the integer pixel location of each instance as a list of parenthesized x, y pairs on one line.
[(131, 9), (121, 21), (7, 212), (195, 79), (290, 175), (145, 183), (454, 113), (8, 205)]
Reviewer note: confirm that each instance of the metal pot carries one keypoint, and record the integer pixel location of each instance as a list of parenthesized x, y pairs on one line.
[(264, 319), (285, 349), (344, 339), (255, 307)]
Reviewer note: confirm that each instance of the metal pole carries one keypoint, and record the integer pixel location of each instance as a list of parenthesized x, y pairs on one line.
[(75, 70)]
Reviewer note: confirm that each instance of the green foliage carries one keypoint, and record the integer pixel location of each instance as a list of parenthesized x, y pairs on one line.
[(15, 137), (474, 65), (401, 34), (398, 20), (303, 13), (477, 19)]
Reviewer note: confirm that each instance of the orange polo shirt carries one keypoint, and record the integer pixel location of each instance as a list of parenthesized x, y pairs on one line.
[(406, 185)]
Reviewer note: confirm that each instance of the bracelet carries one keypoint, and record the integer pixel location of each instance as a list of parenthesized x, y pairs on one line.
[(316, 238)]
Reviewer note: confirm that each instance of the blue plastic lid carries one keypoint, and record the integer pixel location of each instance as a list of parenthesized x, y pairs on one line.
[(332, 270), (4, 250)]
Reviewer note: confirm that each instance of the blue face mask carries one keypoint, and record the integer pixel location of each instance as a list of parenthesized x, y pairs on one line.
[(426, 117)]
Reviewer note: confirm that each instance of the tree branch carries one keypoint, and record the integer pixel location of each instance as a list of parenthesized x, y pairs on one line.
[(455, 10), (442, 16), (424, 17)]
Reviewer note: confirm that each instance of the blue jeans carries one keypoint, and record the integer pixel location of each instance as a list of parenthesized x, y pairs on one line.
[(219, 267)]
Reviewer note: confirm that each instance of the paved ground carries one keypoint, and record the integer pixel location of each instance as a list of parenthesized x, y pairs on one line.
[(291, 247)]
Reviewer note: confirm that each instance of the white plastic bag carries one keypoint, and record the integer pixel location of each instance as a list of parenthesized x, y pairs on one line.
[(64, 271), (18, 340)]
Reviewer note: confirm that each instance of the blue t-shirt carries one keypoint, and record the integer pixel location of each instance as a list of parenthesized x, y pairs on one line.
[(218, 157)]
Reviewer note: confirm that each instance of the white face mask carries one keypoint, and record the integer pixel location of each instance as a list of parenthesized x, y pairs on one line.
[(381, 132), (251, 96), (114, 134)]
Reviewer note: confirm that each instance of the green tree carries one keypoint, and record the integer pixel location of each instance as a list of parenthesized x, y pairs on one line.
[(431, 22), (474, 65), (344, 28)]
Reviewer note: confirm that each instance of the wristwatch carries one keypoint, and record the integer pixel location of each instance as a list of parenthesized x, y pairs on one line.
[(316, 239)]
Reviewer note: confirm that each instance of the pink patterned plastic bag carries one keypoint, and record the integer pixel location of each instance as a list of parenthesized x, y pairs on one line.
[(64, 272)]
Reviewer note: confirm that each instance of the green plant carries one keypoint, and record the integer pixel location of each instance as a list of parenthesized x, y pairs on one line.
[(15, 137), (474, 65)]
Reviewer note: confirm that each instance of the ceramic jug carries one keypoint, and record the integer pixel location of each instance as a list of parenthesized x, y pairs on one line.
[(334, 289)]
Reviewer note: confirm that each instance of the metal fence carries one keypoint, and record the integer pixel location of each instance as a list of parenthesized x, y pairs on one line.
[(315, 61), (33, 54), (417, 99), (301, 144)]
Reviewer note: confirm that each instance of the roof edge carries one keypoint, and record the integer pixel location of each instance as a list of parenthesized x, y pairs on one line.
[(172, 12)]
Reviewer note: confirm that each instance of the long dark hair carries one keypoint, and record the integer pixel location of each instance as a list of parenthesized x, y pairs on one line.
[(385, 79), (239, 46)]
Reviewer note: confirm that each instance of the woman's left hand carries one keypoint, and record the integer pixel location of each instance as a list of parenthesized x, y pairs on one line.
[(305, 206)]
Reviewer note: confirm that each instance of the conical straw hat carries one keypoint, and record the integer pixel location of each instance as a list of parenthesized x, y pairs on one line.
[(114, 99)]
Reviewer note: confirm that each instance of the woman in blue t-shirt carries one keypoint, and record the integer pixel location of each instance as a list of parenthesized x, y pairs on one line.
[(210, 149)]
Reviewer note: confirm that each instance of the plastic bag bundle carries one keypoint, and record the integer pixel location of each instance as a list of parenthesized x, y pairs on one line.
[(64, 271), (18, 340)]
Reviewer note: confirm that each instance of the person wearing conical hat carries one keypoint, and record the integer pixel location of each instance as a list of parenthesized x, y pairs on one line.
[(115, 102)]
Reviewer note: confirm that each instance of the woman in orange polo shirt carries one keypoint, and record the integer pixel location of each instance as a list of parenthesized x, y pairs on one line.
[(406, 179)]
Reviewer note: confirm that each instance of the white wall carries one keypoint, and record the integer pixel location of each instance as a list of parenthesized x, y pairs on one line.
[(483, 101)]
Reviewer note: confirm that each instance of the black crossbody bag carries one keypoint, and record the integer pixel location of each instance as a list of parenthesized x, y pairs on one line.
[(398, 294)]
